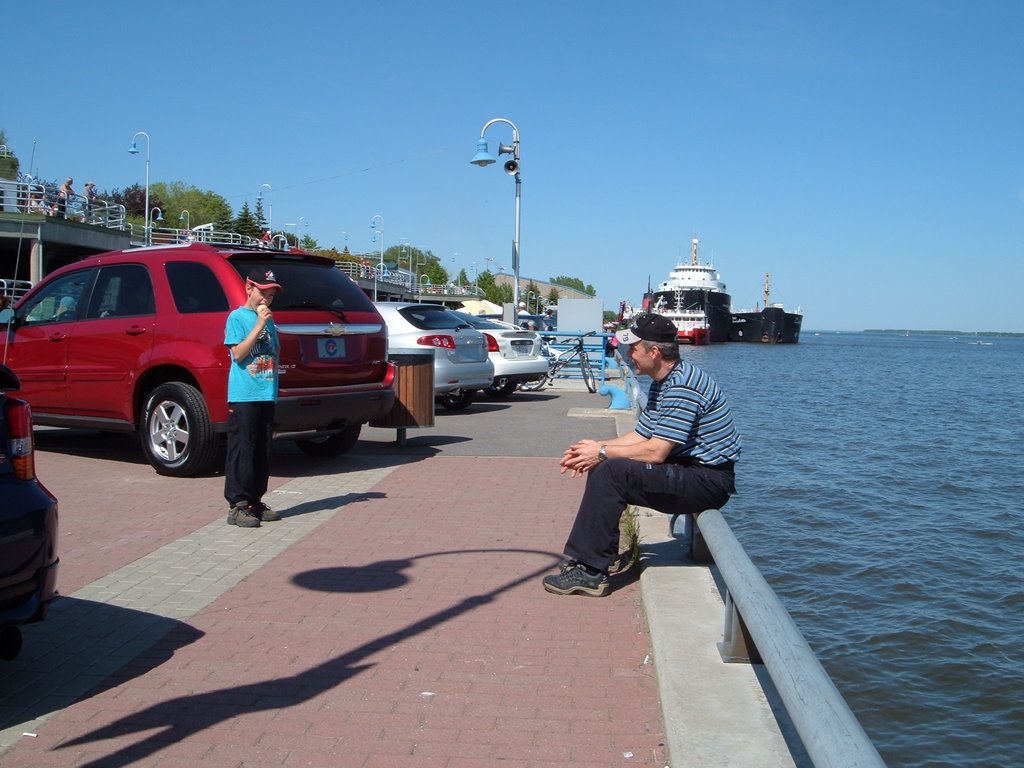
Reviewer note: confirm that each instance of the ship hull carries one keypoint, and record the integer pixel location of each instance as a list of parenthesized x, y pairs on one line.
[(772, 325), (716, 305)]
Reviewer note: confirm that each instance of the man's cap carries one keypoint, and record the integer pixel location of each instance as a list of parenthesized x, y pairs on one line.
[(263, 278), (648, 326)]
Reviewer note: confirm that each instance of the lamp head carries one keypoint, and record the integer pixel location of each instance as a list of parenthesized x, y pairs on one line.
[(482, 157), (133, 150)]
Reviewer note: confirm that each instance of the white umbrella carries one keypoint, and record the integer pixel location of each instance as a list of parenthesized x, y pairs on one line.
[(481, 307)]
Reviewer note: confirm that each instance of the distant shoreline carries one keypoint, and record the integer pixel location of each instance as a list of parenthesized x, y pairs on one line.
[(912, 332)]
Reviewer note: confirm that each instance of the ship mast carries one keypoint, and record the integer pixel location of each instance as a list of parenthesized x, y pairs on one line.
[(767, 289), (693, 252)]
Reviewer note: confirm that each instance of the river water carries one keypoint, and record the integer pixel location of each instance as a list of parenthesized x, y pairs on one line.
[(880, 493)]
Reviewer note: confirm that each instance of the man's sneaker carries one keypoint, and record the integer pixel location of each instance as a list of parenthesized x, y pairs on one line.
[(573, 579), (618, 565), (265, 513), (242, 516)]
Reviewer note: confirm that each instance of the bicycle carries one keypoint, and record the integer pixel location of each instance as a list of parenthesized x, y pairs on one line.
[(576, 354)]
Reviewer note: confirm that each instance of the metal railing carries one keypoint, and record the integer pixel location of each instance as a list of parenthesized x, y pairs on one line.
[(12, 290), (758, 629), (31, 196), (593, 348)]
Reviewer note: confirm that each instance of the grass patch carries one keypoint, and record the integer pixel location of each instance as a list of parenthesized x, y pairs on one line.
[(629, 533)]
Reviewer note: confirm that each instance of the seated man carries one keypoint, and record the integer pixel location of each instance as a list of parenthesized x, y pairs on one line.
[(679, 459), (66, 309)]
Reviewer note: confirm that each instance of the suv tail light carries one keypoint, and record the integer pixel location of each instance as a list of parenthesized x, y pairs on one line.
[(19, 423), (437, 340), (492, 344)]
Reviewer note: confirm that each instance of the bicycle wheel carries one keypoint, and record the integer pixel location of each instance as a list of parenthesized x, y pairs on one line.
[(588, 372), (533, 386)]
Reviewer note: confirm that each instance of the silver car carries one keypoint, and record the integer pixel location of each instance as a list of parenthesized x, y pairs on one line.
[(516, 354), (461, 363)]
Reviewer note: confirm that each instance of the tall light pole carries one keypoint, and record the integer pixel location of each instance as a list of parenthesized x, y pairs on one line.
[(134, 150), (376, 231), (270, 217), (484, 158), (187, 217)]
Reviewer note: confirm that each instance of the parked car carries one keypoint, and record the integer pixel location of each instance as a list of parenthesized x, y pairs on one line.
[(461, 363), (28, 524), (516, 354), (133, 341)]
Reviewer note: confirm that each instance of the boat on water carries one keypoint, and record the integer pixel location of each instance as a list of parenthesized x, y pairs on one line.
[(695, 299), (770, 325)]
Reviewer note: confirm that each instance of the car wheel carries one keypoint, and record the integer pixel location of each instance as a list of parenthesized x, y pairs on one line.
[(501, 388), (177, 437), (331, 445), (457, 400)]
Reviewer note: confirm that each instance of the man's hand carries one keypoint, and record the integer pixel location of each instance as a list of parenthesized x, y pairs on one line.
[(580, 457)]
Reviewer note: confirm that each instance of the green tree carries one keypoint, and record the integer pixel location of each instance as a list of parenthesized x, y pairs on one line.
[(261, 219), (574, 282), (245, 222), (203, 207), (9, 163), (308, 243), (553, 296), (133, 199)]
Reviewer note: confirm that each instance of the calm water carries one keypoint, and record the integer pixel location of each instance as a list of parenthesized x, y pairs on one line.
[(880, 493)]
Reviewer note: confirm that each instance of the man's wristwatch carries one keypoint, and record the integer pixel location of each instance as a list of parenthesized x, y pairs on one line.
[(602, 453)]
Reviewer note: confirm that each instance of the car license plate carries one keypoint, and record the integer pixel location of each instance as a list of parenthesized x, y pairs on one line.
[(522, 348), (330, 349)]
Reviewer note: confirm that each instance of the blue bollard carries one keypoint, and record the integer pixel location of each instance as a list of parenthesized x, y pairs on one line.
[(619, 399)]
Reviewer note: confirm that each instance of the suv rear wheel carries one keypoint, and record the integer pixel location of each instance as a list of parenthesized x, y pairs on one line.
[(332, 445), (175, 430)]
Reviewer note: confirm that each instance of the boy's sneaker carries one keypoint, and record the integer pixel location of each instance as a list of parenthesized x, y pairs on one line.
[(241, 515), (265, 513), (573, 579)]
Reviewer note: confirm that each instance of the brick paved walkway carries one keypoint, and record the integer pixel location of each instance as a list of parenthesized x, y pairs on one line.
[(393, 618)]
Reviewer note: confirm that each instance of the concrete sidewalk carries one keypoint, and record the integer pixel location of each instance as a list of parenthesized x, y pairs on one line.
[(393, 618)]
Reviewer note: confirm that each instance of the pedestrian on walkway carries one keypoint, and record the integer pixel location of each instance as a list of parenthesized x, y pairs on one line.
[(88, 201), (679, 460), (64, 195), (251, 336)]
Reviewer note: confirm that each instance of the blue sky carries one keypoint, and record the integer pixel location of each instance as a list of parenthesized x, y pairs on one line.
[(868, 155)]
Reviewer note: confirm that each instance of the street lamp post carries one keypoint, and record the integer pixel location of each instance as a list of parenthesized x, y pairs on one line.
[(134, 150), (270, 216), (380, 268), (187, 217), (416, 274), (484, 158)]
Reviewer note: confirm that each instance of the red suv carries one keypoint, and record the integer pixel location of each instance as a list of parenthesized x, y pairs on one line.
[(133, 341)]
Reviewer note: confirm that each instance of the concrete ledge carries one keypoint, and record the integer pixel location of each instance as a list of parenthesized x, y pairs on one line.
[(716, 714)]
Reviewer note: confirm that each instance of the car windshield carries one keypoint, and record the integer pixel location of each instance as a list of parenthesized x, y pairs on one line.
[(430, 317), (310, 285)]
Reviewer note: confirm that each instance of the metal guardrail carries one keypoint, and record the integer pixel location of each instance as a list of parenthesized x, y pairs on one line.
[(28, 195), (759, 629), (594, 351)]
